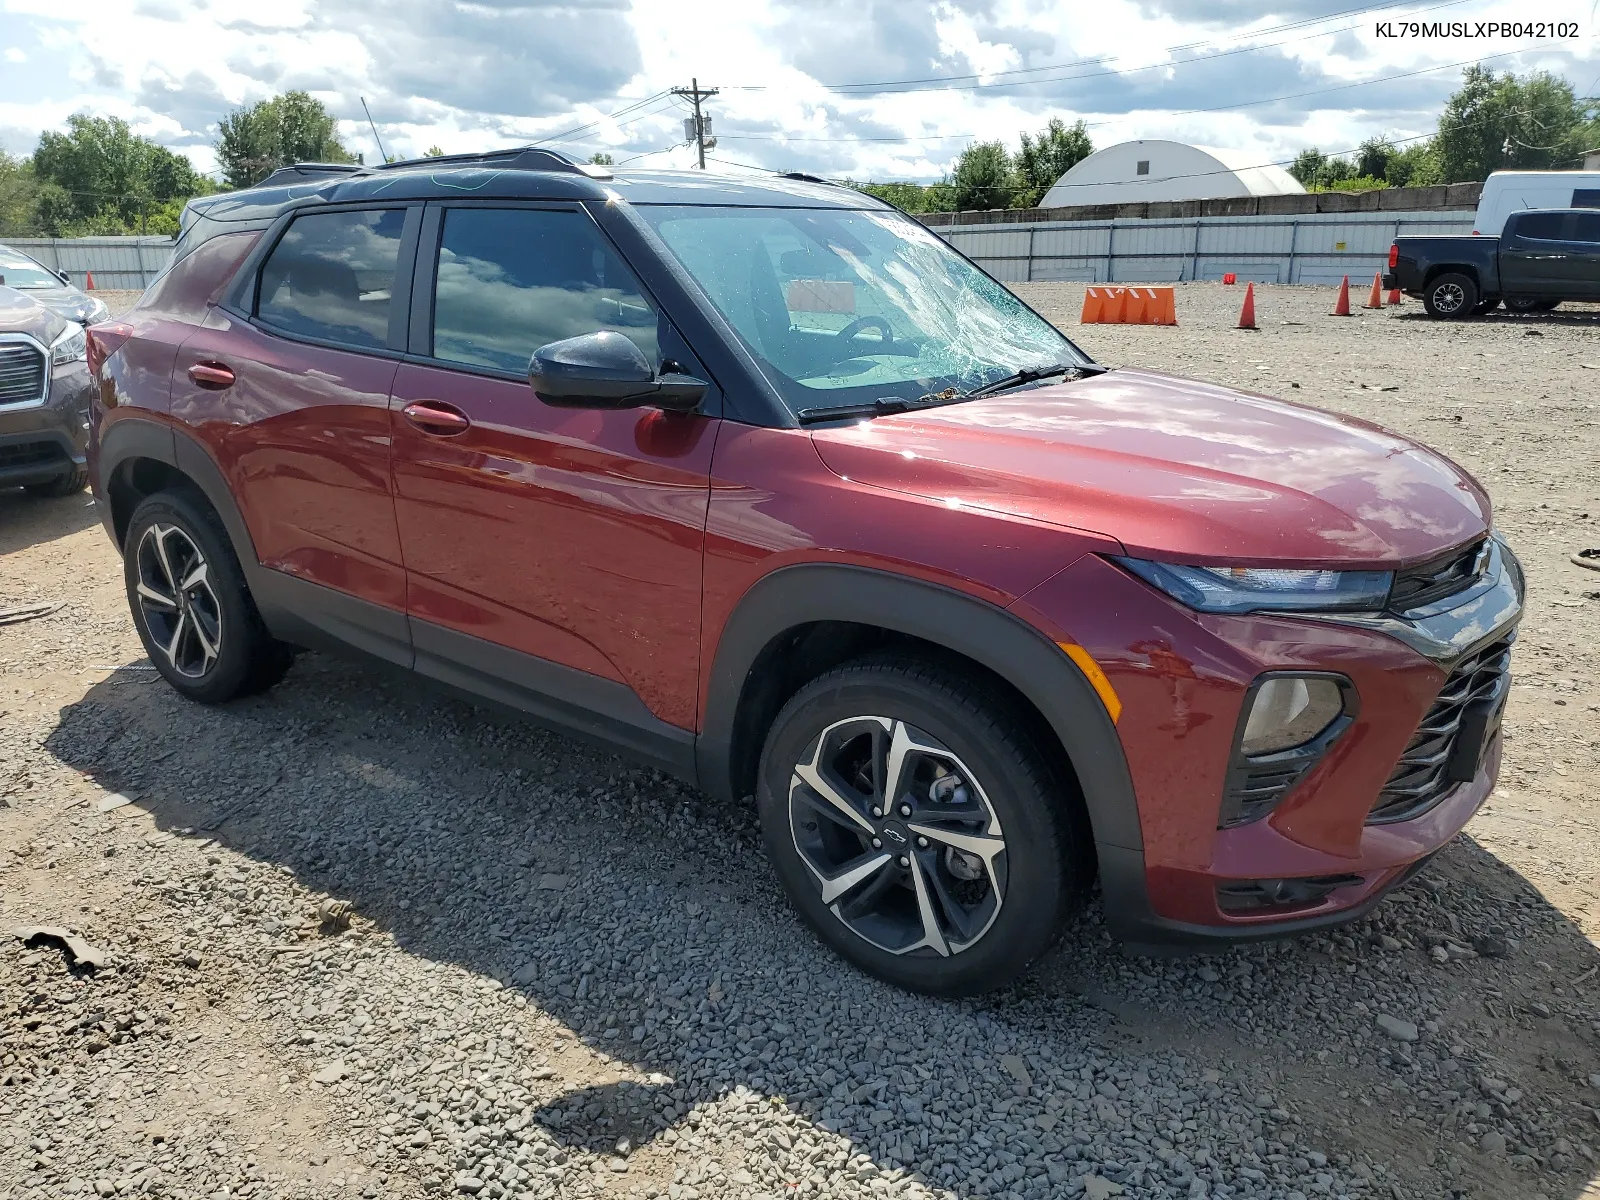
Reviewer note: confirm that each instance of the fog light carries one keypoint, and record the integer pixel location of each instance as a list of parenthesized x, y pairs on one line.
[(1288, 723), (1290, 710)]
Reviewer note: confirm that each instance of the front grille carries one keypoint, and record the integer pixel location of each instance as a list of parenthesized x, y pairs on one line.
[(22, 373), (1446, 748), (29, 454), (1437, 578)]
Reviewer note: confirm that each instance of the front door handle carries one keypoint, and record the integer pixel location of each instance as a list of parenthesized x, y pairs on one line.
[(213, 376), (436, 417)]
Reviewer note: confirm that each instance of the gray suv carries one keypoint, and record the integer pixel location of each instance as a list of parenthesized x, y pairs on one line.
[(44, 398), (51, 289)]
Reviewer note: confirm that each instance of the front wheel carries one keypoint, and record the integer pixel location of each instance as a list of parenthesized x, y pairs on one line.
[(1450, 296), (918, 828)]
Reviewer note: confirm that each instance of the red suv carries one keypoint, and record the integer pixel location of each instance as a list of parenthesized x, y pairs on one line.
[(765, 485)]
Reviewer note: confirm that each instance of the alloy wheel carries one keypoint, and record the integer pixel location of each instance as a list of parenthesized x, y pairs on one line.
[(180, 609), (900, 836), (1449, 297)]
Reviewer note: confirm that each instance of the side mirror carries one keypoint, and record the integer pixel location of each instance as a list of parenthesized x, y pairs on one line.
[(607, 370)]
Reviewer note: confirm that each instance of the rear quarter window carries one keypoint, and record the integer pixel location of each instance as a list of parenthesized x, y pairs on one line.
[(196, 281)]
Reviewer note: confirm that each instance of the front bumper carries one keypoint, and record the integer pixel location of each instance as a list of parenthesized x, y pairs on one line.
[(1182, 677), (42, 441)]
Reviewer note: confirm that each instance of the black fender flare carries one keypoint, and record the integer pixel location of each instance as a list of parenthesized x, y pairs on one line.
[(989, 635), (133, 437)]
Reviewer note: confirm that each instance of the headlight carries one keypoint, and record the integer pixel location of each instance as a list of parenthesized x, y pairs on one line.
[(70, 347), (97, 312), (1264, 589)]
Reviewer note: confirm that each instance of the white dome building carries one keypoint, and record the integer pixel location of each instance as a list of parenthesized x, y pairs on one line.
[(1133, 172)]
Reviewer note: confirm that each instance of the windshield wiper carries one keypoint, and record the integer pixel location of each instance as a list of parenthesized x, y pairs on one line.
[(1035, 374), (881, 407), (886, 405)]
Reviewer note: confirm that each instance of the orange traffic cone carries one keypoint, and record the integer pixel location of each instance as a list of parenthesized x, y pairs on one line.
[(89, 285), (1375, 297), (1247, 311), (1394, 296), (1342, 308)]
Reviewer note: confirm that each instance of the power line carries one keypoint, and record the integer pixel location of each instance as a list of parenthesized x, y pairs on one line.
[(951, 82), (1343, 87)]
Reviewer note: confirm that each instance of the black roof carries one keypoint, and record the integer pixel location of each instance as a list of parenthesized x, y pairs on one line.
[(524, 173)]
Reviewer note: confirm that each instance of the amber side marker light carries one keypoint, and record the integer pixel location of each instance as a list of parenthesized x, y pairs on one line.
[(1096, 677)]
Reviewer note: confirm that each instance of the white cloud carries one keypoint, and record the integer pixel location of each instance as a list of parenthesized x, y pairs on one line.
[(471, 74)]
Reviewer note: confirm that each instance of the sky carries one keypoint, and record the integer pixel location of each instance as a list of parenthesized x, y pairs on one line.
[(865, 89)]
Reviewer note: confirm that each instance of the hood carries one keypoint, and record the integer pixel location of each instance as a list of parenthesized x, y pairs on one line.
[(70, 303), (20, 312), (1176, 470)]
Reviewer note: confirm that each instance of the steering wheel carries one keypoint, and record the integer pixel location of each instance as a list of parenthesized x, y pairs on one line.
[(866, 322)]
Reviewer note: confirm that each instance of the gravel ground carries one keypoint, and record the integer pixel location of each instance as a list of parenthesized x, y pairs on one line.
[(363, 941)]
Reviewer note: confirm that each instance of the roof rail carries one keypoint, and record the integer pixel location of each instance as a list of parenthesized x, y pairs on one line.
[(516, 158), (307, 170), (805, 178)]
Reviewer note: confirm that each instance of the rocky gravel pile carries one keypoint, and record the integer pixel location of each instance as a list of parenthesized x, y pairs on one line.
[(362, 941)]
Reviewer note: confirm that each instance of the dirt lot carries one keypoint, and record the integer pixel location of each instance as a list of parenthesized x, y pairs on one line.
[(362, 941)]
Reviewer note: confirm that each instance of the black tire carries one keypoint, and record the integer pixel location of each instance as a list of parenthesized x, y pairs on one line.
[(1450, 296), (226, 651), (1530, 304), (1547, 306), (70, 484), (1038, 879)]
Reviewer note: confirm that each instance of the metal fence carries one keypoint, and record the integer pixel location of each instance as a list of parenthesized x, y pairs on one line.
[(1315, 248), (116, 262)]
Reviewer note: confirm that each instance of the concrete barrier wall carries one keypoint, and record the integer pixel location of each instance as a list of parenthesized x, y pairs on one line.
[(130, 263)]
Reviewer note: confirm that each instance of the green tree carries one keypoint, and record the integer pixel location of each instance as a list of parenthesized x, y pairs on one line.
[(1417, 165), (19, 197), (913, 197), (433, 151), (253, 142), (1039, 164), (101, 177), (602, 159), (984, 177), (1503, 122)]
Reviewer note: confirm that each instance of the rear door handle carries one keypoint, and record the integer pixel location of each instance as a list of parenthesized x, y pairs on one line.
[(436, 417), (213, 376)]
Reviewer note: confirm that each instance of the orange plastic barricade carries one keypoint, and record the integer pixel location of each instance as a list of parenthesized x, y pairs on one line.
[(1128, 306)]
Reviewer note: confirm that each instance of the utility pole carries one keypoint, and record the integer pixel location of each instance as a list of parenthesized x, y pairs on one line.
[(699, 126)]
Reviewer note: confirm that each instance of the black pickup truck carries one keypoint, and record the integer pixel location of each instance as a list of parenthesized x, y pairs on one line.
[(1542, 257)]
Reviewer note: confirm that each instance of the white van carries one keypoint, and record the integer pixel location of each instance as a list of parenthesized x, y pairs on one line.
[(1506, 192)]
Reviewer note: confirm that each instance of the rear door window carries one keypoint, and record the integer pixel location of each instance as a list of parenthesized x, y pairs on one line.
[(1544, 226), (1587, 228), (331, 277), (513, 279)]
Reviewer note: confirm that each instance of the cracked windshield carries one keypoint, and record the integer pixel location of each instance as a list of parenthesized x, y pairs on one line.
[(848, 306)]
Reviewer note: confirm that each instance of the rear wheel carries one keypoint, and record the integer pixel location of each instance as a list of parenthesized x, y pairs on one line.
[(190, 603), (1450, 296), (1530, 304), (73, 482), (917, 827)]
